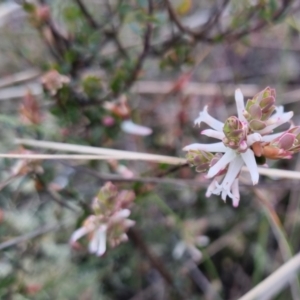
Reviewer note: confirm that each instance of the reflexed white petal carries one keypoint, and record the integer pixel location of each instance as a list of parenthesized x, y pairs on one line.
[(232, 172), (97, 244), (129, 127), (221, 163), (79, 233), (122, 214), (276, 122), (235, 193), (215, 147), (214, 134), (209, 120), (252, 138), (93, 244), (239, 100), (251, 164)]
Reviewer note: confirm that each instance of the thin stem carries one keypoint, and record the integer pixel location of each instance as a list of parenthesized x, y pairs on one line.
[(146, 47), (29, 236), (93, 24)]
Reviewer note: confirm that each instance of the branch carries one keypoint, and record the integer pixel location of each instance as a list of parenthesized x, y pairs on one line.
[(93, 24), (146, 48), (31, 235)]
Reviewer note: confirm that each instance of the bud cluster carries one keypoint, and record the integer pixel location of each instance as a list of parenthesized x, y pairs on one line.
[(244, 140), (259, 109)]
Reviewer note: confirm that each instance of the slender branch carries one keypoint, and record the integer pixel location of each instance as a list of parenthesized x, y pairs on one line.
[(229, 34), (259, 25), (93, 24), (213, 20), (31, 235), (174, 17), (113, 32), (146, 47)]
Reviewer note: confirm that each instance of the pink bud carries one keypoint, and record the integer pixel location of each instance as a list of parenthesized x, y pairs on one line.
[(108, 121)]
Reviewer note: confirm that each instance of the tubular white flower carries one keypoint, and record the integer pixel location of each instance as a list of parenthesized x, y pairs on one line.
[(213, 133), (97, 244), (205, 117), (236, 144), (216, 147), (221, 163)]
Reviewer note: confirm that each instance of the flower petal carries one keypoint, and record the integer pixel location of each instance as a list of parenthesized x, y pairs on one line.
[(232, 172), (97, 244), (222, 163), (209, 120), (129, 127), (213, 133), (77, 234), (270, 137), (121, 214), (251, 164), (213, 185), (235, 193), (216, 147), (239, 100)]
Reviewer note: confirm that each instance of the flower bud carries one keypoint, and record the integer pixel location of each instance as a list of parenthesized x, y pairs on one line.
[(200, 159), (235, 134)]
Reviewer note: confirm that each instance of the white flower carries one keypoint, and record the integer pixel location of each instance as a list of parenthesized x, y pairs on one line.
[(233, 159), (100, 230)]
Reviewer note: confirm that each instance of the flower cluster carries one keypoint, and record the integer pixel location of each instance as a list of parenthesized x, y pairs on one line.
[(109, 221), (244, 140)]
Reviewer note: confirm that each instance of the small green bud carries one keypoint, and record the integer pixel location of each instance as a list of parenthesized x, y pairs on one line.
[(235, 134), (200, 159)]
